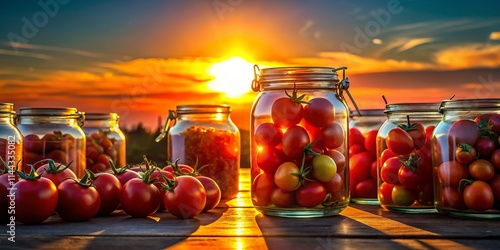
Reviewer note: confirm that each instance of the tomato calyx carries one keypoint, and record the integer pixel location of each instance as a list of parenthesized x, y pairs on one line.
[(308, 150), (294, 97), (169, 184), (148, 165), (178, 171), (86, 180), (303, 172), (411, 162), (464, 183), (117, 171), (328, 203), (53, 167), (196, 170), (31, 176), (409, 126)]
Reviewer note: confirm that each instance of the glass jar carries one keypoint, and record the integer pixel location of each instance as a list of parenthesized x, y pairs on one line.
[(404, 153), (206, 135), (363, 131), (53, 133), (298, 133), (466, 158), (11, 140), (105, 141)]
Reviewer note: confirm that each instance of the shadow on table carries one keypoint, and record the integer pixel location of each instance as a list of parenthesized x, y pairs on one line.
[(116, 230), (322, 233)]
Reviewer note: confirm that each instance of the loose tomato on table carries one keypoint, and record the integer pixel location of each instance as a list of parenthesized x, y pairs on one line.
[(56, 172), (78, 200), (185, 197), (35, 198), (123, 174), (139, 197), (109, 189)]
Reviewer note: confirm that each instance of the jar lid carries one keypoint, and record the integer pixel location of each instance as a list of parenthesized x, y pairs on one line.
[(100, 116), (7, 108), (432, 107), (468, 104), (203, 109), (367, 112), (68, 112)]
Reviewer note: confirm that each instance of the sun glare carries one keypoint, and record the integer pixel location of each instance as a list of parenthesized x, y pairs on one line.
[(232, 76)]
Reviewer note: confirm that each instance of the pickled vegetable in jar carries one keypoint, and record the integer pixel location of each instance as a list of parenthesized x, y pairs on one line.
[(466, 156), (404, 155), (11, 140), (363, 131), (53, 133), (105, 141), (205, 135), (299, 131)]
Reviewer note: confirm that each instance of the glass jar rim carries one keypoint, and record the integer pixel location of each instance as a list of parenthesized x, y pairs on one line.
[(368, 112), (64, 112), (476, 103), (298, 74), (203, 109), (101, 116), (7, 108), (412, 107)]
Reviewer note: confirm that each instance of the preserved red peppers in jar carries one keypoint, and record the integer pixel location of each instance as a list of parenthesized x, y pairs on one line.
[(363, 131), (206, 135), (105, 141), (11, 140), (404, 154), (53, 133), (466, 157), (299, 130)]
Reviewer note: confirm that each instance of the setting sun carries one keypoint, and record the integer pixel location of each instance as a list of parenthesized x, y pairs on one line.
[(232, 76)]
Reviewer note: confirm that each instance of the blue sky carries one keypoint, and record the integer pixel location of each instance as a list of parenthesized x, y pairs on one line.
[(96, 51)]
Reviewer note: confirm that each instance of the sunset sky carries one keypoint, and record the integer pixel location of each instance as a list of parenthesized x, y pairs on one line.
[(142, 58)]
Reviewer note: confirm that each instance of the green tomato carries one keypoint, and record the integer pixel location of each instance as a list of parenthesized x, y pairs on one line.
[(402, 196), (324, 168)]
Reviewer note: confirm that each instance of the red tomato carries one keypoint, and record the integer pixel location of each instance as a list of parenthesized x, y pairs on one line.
[(55, 172), (109, 188), (356, 137), (269, 159), (484, 147), (123, 174), (408, 178), (386, 154), (428, 132), (355, 149), (338, 158), (106, 144), (451, 198), (262, 187), (373, 170), (139, 198), (319, 112), (58, 156), (385, 193), (370, 142), (463, 131), (77, 201), (281, 198), (450, 173), (495, 159), (494, 122), (286, 177), (417, 133), (294, 141), (402, 196), (104, 159), (360, 166), (187, 198), (465, 154), (367, 188), (482, 118), (389, 171), (268, 135), (91, 153), (334, 185), (478, 196), (311, 194), (35, 199), (495, 186), (285, 112), (183, 168), (161, 177), (33, 144), (333, 135), (482, 170), (399, 142), (212, 190)]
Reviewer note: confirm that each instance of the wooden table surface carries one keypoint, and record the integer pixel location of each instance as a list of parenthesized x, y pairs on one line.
[(237, 225)]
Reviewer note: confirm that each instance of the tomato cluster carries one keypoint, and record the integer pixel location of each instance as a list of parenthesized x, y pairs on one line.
[(468, 165), (62, 148), (100, 150), (363, 163), (405, 166), (298, 158)]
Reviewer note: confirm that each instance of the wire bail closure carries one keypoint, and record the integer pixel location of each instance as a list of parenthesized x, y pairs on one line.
[(172, 116), (344, 85), (256, 78)]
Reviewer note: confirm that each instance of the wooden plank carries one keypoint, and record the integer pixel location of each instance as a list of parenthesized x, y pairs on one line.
[(314, 243)]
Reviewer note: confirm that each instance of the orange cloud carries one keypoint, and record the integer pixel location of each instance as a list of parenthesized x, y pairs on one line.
[(469, 56)]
